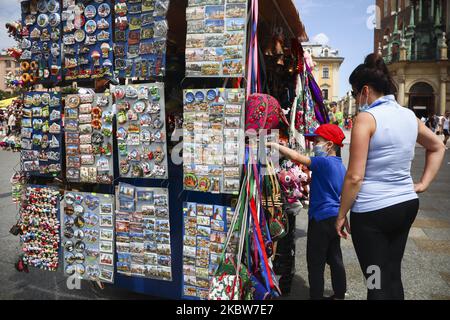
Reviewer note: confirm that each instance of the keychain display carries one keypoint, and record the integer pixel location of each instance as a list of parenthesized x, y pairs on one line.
[(18, 181), (141, 131), (88, 235), (216, 38), (204, 235), (41, 43), (41, 134), (87, 38), (39, 224), (89, 138), (143, 232), (140, 38), (212, 146)]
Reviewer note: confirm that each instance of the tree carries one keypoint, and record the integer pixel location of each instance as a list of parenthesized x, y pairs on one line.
[(5, 95)]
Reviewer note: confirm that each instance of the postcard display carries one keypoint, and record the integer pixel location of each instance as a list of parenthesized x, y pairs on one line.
[(39, 223), (204, 235), (140, 38), (87, 38), (141, 131), (143, 232), (89, 140), (216, 38), (88, 235), (211, 140), (41, 134), (41, 44)]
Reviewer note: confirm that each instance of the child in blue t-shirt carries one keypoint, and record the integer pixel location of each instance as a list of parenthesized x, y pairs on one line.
[(323, 243)]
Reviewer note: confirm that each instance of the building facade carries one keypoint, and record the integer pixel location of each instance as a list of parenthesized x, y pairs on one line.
[(326, 70), (7, 64), (412, 37), (348, 105)]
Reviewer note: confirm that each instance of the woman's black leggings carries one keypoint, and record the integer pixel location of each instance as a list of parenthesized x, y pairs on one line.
[(380, 239)]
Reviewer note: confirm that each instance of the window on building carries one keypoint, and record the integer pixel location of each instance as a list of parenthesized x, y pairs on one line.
[(427, 11), (407, 3), (395, 52), (326, 73), (394, 6), (325, 53), (325, 94), (385, 8), (386, 36)]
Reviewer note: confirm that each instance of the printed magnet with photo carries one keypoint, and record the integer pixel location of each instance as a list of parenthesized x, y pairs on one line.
[(190, 291), (190, 209), (106, 275), (107, 235), (189, 270), (218, 237), (195, 13), (106, 259), (189, 241)]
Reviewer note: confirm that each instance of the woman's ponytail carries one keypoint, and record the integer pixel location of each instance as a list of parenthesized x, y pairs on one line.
[(375, 73)]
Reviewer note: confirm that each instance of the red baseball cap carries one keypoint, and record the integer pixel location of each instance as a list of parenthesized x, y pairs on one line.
[(329, 132)]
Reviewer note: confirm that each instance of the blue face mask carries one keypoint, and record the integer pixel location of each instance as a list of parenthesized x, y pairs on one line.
[(364, 108), (319, 151)]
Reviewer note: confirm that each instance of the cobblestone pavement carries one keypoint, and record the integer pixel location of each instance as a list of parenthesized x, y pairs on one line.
[(426, 266)]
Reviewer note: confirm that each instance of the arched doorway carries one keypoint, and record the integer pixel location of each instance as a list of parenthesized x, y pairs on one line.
[(421, 99)]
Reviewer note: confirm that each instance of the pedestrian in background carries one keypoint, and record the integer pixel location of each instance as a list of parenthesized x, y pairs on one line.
[(339, 118), (439, 124), (350, 123), (2, 122), (332, 113), (446, 127), (378, 187), (431, 122), (11, 123)]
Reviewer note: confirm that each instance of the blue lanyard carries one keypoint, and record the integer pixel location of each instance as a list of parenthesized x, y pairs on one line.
[(377, 103)]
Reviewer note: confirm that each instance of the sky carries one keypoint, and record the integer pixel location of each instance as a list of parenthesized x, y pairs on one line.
[(9, 11), (342, 24)]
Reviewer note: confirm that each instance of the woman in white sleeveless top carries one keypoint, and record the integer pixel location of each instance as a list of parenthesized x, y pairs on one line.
[(446, 127), (378, 188)]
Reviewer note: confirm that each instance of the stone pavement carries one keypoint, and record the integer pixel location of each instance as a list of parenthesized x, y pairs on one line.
[(426, 266)]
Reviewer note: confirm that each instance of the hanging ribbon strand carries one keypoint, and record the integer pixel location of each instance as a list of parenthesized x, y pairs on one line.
[(253, 80)]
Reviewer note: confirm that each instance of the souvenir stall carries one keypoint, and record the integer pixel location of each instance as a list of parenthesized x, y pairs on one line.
[(110, 89), (11, 139), (285, 74)]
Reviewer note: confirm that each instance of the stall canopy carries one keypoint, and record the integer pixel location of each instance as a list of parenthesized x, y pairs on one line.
[(6, 103), (275, 12)]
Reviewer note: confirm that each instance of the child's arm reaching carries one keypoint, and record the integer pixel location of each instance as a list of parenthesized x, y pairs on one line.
[(290, 154)]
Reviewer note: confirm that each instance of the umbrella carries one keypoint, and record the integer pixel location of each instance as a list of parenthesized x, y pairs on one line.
[(6, 103)]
